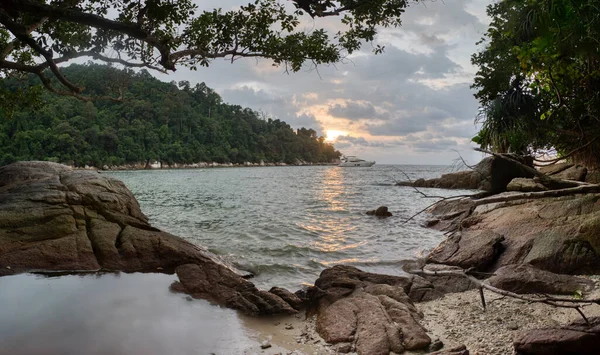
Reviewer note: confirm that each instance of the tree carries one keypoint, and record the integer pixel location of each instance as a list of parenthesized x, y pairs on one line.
[(38, 35), (539, 78)]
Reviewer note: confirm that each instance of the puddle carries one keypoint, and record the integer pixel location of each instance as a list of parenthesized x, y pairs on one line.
[(113, 314)]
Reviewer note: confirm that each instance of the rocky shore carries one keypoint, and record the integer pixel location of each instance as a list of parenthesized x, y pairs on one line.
[(57, 219)]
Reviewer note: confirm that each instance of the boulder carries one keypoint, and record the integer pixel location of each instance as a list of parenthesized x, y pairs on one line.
[(525, 185), (381, 211), (576, 173), (577, 338), (468, 249), (525, 278), (371, 310), (490, 174), (54, 218), (554, 168)]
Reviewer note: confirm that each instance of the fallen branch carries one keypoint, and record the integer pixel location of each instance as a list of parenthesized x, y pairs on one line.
[(583, 189), (561, 302)]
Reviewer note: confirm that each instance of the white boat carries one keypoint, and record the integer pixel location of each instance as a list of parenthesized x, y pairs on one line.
[(353, 161)]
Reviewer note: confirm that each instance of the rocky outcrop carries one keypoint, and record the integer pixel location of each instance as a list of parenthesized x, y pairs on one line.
[(371, 313), (381, 211), (223, 286), (557, 234), (54, 218), (525, 278), (491, 174), (576, 339)]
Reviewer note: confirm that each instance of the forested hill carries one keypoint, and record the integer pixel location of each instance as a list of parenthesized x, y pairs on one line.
[(167, 122)]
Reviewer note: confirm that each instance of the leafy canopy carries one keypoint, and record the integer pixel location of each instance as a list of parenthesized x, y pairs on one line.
[(539, 78), (167, 122), (38, 35)]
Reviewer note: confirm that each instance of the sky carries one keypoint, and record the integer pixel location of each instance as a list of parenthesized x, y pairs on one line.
[(410, 105)]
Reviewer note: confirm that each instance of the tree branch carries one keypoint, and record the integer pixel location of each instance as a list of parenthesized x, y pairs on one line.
[(560, 302)]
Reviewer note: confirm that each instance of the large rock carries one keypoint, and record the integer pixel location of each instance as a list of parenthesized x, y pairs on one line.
[(467, 249), (381, 211), (375, 312), (576, 173), (557, 234), (525, 278), (575, 339), (54, 218), (490, 174)]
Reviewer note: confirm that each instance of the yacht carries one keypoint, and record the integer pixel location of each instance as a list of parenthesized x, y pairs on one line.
[(355, 162)]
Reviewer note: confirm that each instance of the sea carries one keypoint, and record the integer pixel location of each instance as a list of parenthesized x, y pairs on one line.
[(286, 224)]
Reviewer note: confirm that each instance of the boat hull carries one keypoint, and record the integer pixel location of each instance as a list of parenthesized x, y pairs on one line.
[(356, 164)]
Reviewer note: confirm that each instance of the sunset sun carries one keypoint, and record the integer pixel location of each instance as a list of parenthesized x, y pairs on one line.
[(331, 135)]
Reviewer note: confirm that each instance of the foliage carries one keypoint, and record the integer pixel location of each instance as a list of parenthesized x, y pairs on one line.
[(539, 77), (162, 34), (169, 122)]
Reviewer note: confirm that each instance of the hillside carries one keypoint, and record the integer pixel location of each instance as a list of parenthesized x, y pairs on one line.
[(152, 121)]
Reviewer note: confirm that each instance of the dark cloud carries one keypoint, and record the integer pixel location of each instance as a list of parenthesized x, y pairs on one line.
[(353, 110)]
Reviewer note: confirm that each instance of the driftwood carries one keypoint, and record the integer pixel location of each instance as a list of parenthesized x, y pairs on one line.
[(583, 189), (561, 302)]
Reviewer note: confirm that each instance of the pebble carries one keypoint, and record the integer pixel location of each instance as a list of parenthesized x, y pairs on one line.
[(289, 326), (265, 345)]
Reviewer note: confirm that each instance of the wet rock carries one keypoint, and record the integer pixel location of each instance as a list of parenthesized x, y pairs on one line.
[(381, 211), (466, 249), (524, 278), (290, 298), (222, 286), (575, 339), (525, 185), (372, 310)]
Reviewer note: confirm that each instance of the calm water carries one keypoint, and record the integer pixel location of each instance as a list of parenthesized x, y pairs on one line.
[(286, 224), (124, 314)]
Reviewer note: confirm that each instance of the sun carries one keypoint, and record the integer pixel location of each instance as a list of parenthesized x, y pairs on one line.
[(331, 134)]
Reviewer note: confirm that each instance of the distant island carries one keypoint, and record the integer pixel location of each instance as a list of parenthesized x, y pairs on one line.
[(138, 119)]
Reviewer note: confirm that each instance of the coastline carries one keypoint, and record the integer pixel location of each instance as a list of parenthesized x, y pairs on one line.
[(200, 165)]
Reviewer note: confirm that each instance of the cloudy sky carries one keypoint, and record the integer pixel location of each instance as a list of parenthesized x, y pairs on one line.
[(409, 105)]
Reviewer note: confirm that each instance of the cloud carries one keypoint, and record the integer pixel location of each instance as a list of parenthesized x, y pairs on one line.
[(410, 104), (353, 110)]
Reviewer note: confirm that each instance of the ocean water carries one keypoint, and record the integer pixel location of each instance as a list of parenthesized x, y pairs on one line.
[(287, 224)]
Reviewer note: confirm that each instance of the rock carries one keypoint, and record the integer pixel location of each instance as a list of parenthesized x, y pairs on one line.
[(435, 345), (477, 249), (459, 350), (525, 185), (55, 218), (575, 339), (381, 211), (265, 344), (290, 298), (490, 174), (448, 283), (576, 173), (524, 278), (372, 308), (557, 234), (554, 168), (223, 286)]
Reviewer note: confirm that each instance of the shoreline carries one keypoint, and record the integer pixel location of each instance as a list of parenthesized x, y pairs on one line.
[(135, 167)]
